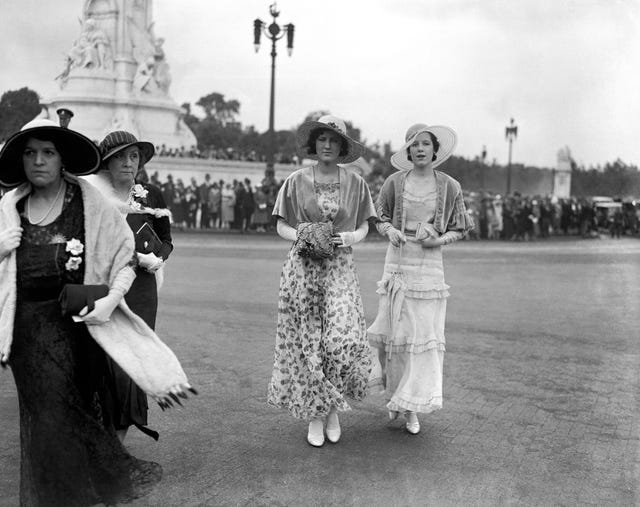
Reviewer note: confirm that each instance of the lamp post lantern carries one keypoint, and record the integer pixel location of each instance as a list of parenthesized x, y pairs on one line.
[(273, 32), (510, 133)]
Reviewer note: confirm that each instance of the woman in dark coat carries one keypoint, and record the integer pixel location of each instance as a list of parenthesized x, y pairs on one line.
[(56, 229), (147, 215)]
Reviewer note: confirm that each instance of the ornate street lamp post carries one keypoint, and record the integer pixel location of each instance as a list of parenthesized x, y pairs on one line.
[(274, 33), (510, 133)]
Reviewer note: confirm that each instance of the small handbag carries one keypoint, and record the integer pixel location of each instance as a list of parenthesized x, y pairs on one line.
[(147, 241), (74, 297), (314, 240)]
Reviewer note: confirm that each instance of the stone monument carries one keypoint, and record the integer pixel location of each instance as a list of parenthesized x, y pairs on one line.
[(562, 174), (116, 77)]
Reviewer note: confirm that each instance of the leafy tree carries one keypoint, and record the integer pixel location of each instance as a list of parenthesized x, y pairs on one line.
[(216, 107), (17, 107)]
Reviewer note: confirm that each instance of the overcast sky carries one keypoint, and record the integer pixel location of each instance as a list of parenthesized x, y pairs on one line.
[(568, 71)]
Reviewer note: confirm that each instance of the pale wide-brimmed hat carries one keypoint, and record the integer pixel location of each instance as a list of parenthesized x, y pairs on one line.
[(79, 153), (446, 138), (327, 122), (120, 140)]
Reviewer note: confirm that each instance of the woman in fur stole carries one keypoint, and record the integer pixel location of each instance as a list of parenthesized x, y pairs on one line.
[(55, 230), (146, 213)]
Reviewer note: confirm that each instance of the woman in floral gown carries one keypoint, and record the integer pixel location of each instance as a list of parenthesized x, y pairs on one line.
[(321, 351), (419, 211), (57, 230), (146, 212)]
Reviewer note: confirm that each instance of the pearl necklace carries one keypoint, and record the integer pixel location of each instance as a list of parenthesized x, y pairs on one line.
[(38, 222)]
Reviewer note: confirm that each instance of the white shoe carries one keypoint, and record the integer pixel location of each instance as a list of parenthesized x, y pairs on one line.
[(315, 436), (333, 427), (413, 425)]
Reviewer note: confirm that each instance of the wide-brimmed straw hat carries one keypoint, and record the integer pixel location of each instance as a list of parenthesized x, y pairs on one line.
[(121, 140), (334, 124), (79, 153), (446, 138)]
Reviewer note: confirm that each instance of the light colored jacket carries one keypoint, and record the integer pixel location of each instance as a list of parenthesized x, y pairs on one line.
[(451, 214)]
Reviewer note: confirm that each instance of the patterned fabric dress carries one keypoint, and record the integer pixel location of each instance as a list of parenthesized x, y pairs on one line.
[(321, 353), (67, 456), (409, 328)]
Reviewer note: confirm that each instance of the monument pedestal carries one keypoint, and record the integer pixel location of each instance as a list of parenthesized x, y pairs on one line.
[(116, 77)]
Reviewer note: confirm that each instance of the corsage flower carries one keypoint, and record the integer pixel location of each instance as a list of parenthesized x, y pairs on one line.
[(139, 191), (135, 206), (73, 263), (74, 247)]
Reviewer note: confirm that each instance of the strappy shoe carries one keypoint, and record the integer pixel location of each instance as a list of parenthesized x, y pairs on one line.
[(315, 436), (412, 425)]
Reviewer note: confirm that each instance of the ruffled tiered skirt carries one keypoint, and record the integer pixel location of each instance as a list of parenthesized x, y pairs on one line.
[(408, 331)]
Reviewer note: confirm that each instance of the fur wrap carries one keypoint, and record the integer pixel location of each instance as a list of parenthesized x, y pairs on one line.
[(101, 181), (109, 248)]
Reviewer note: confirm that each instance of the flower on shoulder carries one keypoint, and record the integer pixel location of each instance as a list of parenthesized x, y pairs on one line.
[(139, 191), (73, 263), (75, 247)]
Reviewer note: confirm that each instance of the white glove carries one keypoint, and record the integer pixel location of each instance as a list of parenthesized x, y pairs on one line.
[(9, 240), (103, 309), (347, 238), (151, 262)]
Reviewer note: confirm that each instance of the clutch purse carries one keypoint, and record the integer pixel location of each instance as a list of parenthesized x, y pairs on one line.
[(426, 230), (314, 240), (74, 297), (147, 241)]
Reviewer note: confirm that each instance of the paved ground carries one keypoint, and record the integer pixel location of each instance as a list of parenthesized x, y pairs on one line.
[(542, 386)]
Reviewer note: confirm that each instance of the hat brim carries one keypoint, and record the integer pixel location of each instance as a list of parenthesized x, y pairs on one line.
[(81, 156), (447, 139), (146, 149), (354, 150)]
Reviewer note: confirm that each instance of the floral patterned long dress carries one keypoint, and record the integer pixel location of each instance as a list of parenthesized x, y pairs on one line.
[(67, 456), (322, 354)]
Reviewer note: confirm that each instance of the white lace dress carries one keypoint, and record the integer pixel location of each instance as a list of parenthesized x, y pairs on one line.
[(409, 328)]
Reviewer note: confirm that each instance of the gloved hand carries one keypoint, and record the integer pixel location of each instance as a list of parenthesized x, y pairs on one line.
[(396, 237), (103, 309), (151, 262), (9, 240), (346, 238)]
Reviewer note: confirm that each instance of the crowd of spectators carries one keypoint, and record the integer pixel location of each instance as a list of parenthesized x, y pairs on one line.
[(213, 153), (236, 204), (524, 218), (241, 205)]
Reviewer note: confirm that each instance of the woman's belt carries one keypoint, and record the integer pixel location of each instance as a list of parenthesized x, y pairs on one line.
[(38, 293)]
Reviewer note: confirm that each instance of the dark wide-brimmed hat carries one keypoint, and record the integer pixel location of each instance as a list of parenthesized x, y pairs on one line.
[(120, 140), (447, 140), (79, 153), (334, 124)]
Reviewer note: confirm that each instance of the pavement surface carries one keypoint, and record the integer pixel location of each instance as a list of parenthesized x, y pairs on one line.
[(541, 387)]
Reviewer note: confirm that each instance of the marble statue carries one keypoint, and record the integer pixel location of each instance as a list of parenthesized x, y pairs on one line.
[(116, 76), (91, 50)]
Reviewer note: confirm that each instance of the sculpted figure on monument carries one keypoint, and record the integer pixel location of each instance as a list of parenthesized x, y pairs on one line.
[(99, 42), (564, 155), (91, 50), (153, 74)]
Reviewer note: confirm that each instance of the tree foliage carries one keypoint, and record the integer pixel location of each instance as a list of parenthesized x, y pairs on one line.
[(215, 106), (17, 107), (220, 130)]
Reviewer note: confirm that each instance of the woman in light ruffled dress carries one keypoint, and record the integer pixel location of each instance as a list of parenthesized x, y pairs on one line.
[(419, 211)]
